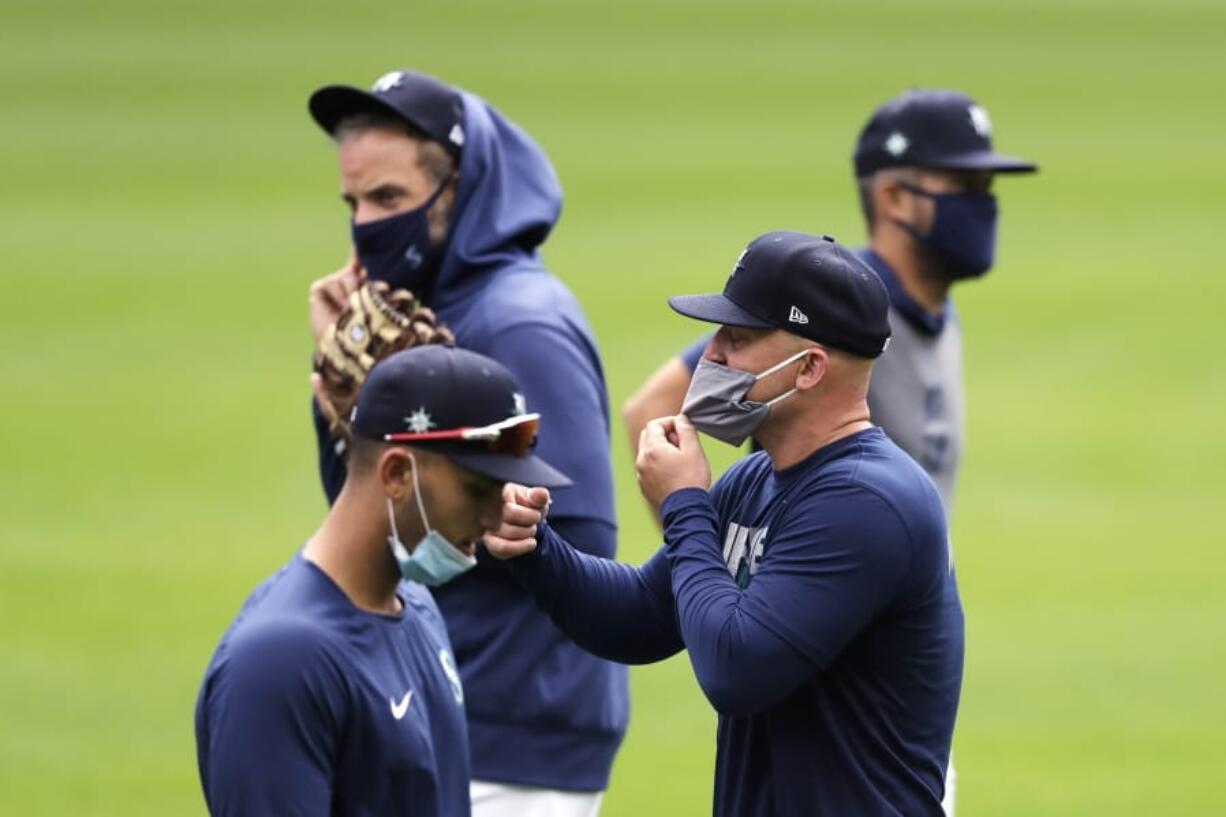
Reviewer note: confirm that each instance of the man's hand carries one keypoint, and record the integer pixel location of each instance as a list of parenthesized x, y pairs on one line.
[(522, 511), (329, 295), (374, 323), (670, 458)]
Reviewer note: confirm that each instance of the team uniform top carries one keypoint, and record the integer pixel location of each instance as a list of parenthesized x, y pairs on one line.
[(821, 615), (916, 393), (312, 706)]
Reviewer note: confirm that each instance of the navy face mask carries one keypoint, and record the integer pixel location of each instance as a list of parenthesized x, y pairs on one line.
[(398, 249), (963, 232)]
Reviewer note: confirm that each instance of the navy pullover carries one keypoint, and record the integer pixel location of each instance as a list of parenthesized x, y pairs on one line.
[(821, 615), (529, 687)]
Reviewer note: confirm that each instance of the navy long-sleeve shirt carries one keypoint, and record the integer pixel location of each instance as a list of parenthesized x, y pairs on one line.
[(821, 615)]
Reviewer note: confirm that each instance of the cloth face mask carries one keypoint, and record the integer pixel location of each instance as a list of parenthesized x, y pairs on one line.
[(435, 560), (963, 232), (398, 249), (716, 404)]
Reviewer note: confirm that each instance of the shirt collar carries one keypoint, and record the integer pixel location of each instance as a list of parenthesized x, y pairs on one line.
[(823, 455), (908, 307)]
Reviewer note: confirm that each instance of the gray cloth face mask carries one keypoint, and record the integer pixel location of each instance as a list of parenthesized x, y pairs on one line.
[(716, 404)]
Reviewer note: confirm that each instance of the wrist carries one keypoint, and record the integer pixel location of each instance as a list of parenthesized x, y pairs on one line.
[(680, 497)]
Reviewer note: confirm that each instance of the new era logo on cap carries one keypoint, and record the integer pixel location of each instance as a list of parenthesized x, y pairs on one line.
[(796, 316)]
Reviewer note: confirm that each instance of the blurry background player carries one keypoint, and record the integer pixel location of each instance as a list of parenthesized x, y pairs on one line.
[(924, 165), (334, 692), (451, 200), (811, 586)]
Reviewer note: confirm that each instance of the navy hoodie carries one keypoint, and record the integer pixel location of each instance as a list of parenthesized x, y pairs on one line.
[(541, 711)]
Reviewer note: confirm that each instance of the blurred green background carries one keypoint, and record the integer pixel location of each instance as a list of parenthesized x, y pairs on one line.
[(166, 200)]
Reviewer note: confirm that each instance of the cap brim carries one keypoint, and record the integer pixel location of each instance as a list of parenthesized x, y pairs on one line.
[(331, 104), (530, 470), (984, 160), (715, 307)]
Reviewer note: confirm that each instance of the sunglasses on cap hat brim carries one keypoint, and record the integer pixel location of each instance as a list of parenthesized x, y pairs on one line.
[(514, 436)]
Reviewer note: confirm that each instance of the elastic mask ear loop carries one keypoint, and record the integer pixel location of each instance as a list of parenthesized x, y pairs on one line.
[(391, 518), (781, 364), (421, 508), (393, 540), (437, 193), (776, 368), (917, 190)]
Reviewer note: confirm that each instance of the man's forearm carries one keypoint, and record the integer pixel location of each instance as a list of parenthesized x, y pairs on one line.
[(611, 609), (741, 665), (331, 460)]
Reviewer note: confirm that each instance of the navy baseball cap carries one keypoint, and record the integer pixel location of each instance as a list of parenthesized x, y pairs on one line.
[(455, 402), (808, 285), (428, 104), (933, 128)]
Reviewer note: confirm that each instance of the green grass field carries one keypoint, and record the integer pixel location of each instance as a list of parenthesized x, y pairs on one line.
[(166, 201)]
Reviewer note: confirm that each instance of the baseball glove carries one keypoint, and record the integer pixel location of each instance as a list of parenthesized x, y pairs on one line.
[(376, 323)]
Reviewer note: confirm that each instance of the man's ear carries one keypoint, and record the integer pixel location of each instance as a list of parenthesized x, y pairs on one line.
[(813, 369), (395, 472), (889, 199)]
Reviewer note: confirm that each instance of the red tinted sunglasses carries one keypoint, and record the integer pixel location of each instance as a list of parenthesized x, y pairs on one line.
[(515, 435)]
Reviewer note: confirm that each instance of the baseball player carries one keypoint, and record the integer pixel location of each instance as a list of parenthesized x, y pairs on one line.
[(335, 690), (811, 585), (450, 201), (924, 166)]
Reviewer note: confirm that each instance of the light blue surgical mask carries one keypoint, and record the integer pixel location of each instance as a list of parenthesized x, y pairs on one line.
[(435, 560)]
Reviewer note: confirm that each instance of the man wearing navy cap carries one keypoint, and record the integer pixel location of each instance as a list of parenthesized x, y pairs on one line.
[(924, 164), (451, 200), (811, 585), (335, 690)]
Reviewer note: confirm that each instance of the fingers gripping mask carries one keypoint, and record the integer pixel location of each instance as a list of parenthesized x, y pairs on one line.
[(435, 560), (716, 404), (398, 249)]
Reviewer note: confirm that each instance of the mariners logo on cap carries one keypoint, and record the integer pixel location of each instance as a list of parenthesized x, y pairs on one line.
[(980, 121), (387, 82), (419, 421), (897, 144)]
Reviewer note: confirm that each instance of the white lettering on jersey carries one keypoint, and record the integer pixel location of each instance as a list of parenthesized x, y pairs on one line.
[(743, 551), (453, 676)]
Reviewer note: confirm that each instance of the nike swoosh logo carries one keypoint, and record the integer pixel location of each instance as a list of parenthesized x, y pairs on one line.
[(399, 709)]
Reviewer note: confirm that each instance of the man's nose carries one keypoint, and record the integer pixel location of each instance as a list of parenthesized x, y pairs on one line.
[(364, 213)]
